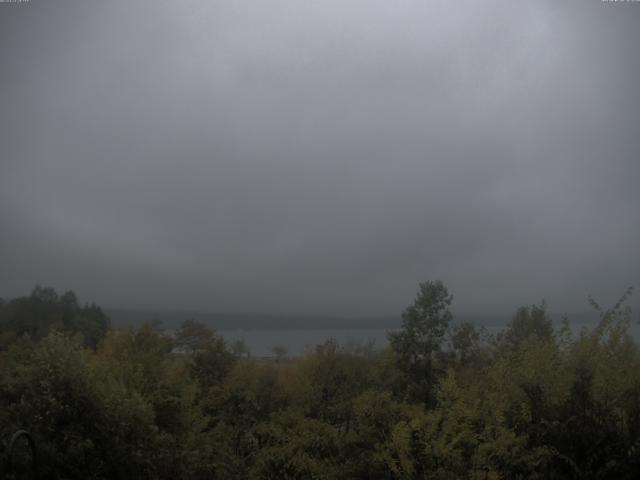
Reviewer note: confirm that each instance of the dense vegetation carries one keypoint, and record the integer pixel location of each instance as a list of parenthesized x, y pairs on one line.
[(443, 401)]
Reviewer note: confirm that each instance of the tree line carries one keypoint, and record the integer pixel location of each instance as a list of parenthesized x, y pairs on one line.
[(444, 400)]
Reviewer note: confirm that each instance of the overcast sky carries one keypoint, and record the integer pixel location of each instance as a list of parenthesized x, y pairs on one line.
[(320, 157)]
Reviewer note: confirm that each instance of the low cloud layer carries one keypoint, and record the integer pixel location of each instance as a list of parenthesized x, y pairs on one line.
[(320, 157)]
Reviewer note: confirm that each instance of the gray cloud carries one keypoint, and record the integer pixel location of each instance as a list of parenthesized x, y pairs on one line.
[(320, 157)]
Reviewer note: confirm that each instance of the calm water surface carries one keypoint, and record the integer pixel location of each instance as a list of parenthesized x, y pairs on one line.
[(261, 342)]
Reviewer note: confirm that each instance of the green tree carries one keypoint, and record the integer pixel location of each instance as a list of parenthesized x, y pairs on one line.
[(240, 349), (424, 325), (44, 311), (465, 341), (193, 335), (527, 321), (280, 351)]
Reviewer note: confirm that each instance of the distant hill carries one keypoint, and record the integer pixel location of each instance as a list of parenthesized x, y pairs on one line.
[(221, 321), (237, 321)]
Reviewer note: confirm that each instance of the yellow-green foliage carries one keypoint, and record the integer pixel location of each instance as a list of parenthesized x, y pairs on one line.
[(533, 403)]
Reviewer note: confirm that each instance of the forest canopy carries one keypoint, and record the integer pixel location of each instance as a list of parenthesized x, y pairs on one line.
[(443, 400)]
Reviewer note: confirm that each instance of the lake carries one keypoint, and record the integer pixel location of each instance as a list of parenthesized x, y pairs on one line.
[(296, 341), (261, 342)]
